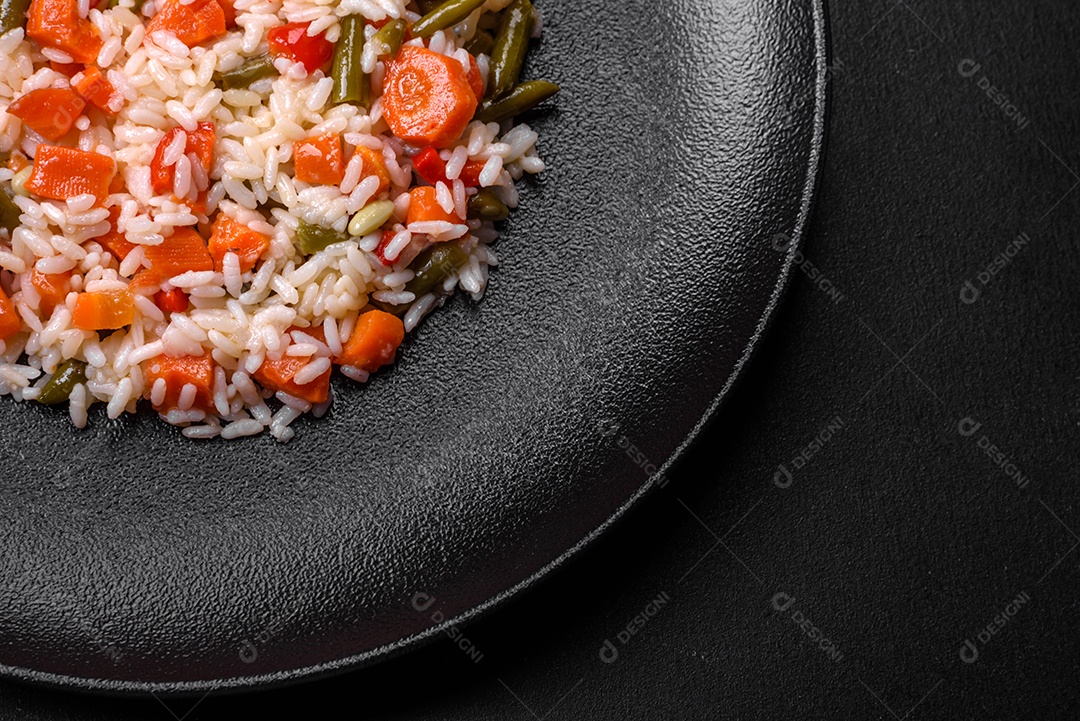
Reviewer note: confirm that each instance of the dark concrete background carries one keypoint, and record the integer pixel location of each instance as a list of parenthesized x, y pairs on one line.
[(941, 507)]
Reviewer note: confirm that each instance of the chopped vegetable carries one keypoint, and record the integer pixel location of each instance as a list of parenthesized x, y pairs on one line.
[(373, 342), (486, 205), (96, 89), (10, 322), (250, 71), (103, 310), (387, 41), (313, 238), (372, 163), (427, 98), (319, 160), (181, 252), (371, 217), (197, 371), (50, 112), (192, 24), (9, 212), (12, 14), (380, 249), (278, 375), (433, 266), (350, 83), (292, 41), (18, 181), (448, 13), (511, 44), (470, 174), (481, 43), (69, 69), (62, 173), (52, 287), (57, 24), (70, 373), (429, 166), (424, 207), (227, 9), (229, 236), (171, 301), (114, 241), (200, 143), (16, 161), (524, 97)]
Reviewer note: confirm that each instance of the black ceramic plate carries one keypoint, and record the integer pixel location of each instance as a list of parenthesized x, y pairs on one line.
[(635, 281)]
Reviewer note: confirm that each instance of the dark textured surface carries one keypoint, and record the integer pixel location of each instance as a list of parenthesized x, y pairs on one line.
[(633, 282), (901, 538)]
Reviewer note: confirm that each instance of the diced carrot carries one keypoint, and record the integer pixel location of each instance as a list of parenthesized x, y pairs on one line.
[(427, 99), (17, 161), (476, 81), (171, 301), (230, 13), (200, 143), (319, 160), (227, 235), (57, 24), (69, 69), (146, 282), (114, 241), (96, 89), (50, 112), (373, 342), (277, 375), (182, 251), (424, 207), (103, 310), (52, 287), (178, 372), (373, 164), (10, 322), (292, 41), (191, 24), (61, 173)]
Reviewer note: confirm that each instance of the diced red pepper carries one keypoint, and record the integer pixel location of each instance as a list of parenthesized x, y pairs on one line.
[(50, 112), (171, 301), (380, 249), (292, 41), (96, 89), (470, 174), (200, 143), (429, 166)]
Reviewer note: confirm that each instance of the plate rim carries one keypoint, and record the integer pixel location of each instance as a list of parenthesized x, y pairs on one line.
[(303, 674)]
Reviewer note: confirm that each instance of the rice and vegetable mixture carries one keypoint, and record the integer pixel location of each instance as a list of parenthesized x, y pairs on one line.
[(210, 204)]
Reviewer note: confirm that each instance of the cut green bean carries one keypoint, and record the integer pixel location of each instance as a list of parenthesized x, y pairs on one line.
[(445, 15), (524, 97), (481, 44), (350, 82), (243, 76), (13, 14), (371, 217), (68, 374), (433, 266), (427, 6), (313, 238), (511, 44), (486, 205), (389, 38), (9, 212)]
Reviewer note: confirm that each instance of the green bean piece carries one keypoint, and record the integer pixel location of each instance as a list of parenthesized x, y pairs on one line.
[(9, 212), (243, 76), (427, 6), (524, 97), (445, 15), (69, 374), (511, 44), (313, 238), (433, 266), (481, 44), (13, 14), (398, 310), (349, 80), (486, 205), (389, 37)]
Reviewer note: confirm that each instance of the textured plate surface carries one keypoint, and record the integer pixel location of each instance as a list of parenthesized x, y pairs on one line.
[(635, 280)]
